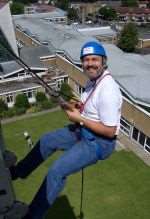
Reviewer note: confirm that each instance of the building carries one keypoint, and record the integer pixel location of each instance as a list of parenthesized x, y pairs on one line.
[(63, 39), (137, 15), (84, 9), (143, 4), (43, 1), (15, 80), (131, 71), (87, 8), (144, 38), (39, 7), (103, 34), (48, 12)]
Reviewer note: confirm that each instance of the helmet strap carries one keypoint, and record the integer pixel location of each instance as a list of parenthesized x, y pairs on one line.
[(104, 67), (104, 63)]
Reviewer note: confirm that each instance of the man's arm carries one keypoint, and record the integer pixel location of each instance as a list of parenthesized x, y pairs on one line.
[(97, 127)]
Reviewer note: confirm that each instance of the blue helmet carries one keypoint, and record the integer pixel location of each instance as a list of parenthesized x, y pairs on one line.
[(92, 48)]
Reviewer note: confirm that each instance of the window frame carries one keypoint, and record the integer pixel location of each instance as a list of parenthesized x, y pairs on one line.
[(10, 97), (124, 129), (146, 145)]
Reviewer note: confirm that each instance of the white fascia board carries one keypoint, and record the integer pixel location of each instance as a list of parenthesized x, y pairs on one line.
[(94, 28), (133, 99), (14, 72), (38, 68), (145, 40), (20, 90), (59, 77), (46, 57)]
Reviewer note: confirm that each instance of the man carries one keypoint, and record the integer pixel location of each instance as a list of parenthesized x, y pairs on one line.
[(91, 138)]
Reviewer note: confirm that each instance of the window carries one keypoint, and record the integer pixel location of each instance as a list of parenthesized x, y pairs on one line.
[(147, 149), (79, 89), (142, 138), (10, 98), (22, 74), (147, 145), (125, 126), (66, 80), (135, 134), (60, 82), (148, 141), (29, 93)]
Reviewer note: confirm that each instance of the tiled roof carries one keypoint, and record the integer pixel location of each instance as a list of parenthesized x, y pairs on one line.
[(136, 10)]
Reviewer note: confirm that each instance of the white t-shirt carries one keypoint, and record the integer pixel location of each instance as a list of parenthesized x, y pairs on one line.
[(104, 104)]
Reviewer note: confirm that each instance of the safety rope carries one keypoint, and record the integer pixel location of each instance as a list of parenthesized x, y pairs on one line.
[(81, 215)]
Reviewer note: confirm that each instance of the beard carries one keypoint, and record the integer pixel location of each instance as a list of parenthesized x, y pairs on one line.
[(93, 72)]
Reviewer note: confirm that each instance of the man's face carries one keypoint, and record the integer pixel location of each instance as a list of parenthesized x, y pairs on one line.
[(92, 65)]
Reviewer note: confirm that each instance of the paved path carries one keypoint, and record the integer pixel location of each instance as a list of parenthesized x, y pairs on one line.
[(28, 115)]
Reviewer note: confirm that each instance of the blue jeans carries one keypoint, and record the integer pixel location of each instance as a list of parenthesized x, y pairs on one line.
[(79, 152)]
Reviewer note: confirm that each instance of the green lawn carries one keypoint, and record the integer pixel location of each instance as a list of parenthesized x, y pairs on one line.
[(118, 188)]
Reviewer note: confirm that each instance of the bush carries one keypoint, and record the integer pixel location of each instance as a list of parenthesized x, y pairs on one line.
[(54, 101), (3, 106), (14, 111), (2, 115), (17, 8), (20, 111), (22, 101), (72, 14), (9, 113), (66, 91), (46, 105), (40, 97), (108, 13), (34, 109)]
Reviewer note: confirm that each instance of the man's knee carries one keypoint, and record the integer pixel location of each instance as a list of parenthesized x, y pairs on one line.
[(47, 145), (55, 180)]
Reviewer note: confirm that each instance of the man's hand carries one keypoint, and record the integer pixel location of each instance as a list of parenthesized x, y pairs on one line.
[(71, 105), (97, 127), (74, 115)]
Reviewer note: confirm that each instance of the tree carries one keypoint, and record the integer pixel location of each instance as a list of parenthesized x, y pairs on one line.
[(63, 4), (108, 13), (128, 38), (22, 1), (129, 3), (17, 8), (22, 101), (3, 106), (72, 14), (66, 91)]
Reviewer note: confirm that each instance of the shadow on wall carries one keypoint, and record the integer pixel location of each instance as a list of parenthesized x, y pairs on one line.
[(61, 209)]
